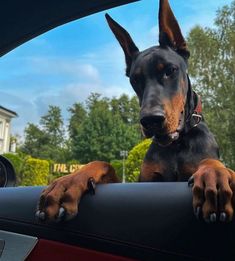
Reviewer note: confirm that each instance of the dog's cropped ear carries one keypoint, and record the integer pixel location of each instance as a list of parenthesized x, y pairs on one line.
[(169, 30), (127, 44)]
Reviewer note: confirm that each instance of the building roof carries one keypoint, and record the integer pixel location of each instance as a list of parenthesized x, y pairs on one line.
[(22, 20), (8, 112)]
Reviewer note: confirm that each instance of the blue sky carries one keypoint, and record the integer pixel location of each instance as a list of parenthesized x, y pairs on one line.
[(66, 64)]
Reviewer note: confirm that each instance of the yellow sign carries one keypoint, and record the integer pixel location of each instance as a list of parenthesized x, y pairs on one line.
[(65, 168)]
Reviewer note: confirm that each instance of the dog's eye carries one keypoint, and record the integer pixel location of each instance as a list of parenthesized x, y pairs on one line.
[(169, 71)]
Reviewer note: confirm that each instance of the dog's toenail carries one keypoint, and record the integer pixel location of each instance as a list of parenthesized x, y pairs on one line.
[(42, 215), (61, 213), (197, 212), (223, 217), (91, 186), (37, 214), (191, 181), (213, 217)]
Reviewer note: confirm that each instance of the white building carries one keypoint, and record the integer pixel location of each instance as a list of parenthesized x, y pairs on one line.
[(5, 128)]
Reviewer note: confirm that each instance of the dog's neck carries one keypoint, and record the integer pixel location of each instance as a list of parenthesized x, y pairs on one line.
[(193, 109)]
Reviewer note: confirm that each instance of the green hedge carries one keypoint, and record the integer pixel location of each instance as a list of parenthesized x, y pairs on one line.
[(36, 172), (29, 171), (135, 159)]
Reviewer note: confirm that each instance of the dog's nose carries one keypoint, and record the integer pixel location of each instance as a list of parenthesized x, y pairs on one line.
[(153, 121)]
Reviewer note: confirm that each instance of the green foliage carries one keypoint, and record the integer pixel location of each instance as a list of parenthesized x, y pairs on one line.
[(35, 173), (52, 124), (29, 171), (97, 130), (118, 166), (35, 139), (135, 159), (47, 141), (78, 114), (127, 108), (106, 129), (16, 161), (212, 65)]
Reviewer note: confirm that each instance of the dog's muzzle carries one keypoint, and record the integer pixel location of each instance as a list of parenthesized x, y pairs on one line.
[(154, 126), (153, 122)]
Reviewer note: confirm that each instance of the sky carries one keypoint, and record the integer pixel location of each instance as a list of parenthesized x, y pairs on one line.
[(66, 64)]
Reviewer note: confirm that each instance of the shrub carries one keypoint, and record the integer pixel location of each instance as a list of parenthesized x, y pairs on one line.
[(117, 165), (135, 159), (35, 173), (29, 171)]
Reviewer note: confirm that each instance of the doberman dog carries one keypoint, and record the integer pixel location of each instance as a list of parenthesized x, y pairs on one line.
[(170, 113)]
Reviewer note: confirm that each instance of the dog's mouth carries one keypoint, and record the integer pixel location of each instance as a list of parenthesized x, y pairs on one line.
[(161, 137), (167, 139)]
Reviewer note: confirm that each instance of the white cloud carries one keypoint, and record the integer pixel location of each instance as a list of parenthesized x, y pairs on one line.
[(72, 93), (64, 66)]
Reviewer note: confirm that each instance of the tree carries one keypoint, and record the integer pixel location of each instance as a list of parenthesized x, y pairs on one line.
[(35, 139), (212, 65), (98, 130), (78, 115), (53, 126), (103, 132), (46, 140), (127, 108)]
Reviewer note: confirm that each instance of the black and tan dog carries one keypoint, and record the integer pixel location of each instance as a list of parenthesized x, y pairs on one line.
[(170, 112)]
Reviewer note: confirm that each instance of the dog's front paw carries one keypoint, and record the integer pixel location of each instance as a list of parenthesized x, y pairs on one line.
[(213, 192), (59, 201)]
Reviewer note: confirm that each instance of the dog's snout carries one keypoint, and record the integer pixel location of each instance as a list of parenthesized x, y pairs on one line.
[(153, 121)]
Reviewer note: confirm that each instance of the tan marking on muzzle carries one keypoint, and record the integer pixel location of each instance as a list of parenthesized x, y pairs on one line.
[(173, 109)]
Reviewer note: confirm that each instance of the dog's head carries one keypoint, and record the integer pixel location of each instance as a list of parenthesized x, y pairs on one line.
[(159, 77)]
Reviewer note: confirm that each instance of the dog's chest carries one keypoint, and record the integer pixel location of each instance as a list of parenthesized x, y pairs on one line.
[(168, 164)]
